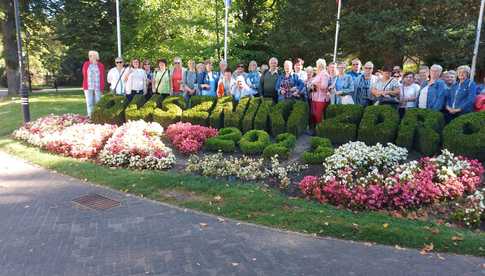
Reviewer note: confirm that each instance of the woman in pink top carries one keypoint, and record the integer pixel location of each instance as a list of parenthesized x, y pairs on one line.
[(320, 96)]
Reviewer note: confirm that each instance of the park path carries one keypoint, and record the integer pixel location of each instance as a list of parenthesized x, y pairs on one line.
[(44, 233)]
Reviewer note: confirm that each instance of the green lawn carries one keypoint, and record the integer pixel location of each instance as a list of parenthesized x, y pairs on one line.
[(243, 201)]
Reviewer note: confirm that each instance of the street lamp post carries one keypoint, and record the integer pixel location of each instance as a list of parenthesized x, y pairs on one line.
[(477, 40), (24, 95)]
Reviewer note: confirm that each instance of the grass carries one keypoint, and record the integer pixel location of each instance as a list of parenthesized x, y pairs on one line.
[(242, 201)]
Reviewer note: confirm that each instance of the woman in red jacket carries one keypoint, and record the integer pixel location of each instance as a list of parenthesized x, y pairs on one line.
[(93, 80)]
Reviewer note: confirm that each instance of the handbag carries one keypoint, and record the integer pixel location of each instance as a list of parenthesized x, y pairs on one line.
[(392, 100)]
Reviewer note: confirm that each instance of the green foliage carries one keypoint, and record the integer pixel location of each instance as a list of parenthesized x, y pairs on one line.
[(234, 119), (254, 141), (200, 111), (225, 141), (421, 129), (134, 110), (261, 118), (466, 135), (340, 123), (278, 115), (224, 105), (170, 112), (110, 110), (285, 142), (298, 119), (149, 107), (379, 125), (321, 148), (248, 119)]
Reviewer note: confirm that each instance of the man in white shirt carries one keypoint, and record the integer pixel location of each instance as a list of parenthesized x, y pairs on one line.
[(115, 77)]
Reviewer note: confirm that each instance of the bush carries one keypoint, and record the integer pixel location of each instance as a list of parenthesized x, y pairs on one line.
[(224, 105), (226, 140), (110, 110), (149, 107), (200, 111), (465, 135), (379, 125), (261, 118), (285, 142), (321, 148), (170, 112), (420, 129), (254, 141), (298, 119), (248, 119), (340, 123), (133, 111), (234, 119)]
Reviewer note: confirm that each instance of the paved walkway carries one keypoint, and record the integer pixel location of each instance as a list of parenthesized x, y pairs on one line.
[(43, 233)]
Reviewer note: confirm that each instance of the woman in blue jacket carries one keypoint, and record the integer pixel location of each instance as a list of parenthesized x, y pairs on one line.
[(461, 97), (432, 93), (289, 85)]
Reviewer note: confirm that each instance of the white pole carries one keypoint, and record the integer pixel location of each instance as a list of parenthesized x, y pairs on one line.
[(336, 31), (225, 31), (118, 30), (477, 40)]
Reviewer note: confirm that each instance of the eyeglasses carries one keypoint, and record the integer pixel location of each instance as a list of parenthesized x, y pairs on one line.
[(119, 62), (355, 64), (368, 68), (176, 62)]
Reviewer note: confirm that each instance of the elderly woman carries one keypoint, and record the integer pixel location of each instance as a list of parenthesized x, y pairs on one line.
[(432, 93), (460, 100), (423, 76), (93, 80), (386, 89), (190, 80), (178, 73), (319, 93), (200, 69), (136, 80), (162, 79), (363, 84), (116, 77), (343, 85), (289, 85), (210, 79), (241, 89), (226, 83), (253, 77), (408, 92)]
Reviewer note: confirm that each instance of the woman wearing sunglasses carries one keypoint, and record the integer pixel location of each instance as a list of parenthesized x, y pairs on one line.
[(116, 77)]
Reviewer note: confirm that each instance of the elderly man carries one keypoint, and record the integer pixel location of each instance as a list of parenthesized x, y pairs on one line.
[(267, 88), (356, 72), (432, 93)]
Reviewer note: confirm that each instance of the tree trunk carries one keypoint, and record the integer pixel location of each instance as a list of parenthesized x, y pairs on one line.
[(7, 26)]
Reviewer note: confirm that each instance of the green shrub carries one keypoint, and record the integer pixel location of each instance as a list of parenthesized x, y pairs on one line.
[(285, 142), (379, 125), (277, 117), (340, 123), (465, 135), (149, 107), (225, 141), (234, 119), (254, 141), (170, 112), (321, 148), (133, 111), (298, 119), (110, 110), (223, 105), (261, 118), (248, 119), (200, 111), (421, 129)]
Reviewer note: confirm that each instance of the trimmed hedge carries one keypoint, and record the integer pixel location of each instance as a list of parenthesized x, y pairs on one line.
[(321, 148), (234, 118), (149, 107), (420, 129), (170, 112), (225, 141), (340, 123), (379, 125), (134, 112), (200, 111), (298, 120), (466, 135), (285, 142), (223, 105), (110, 110), (254, 141), (277, 117), (261, 119), (248, 119)]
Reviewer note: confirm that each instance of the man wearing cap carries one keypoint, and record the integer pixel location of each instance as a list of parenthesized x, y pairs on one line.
[(115, 77)]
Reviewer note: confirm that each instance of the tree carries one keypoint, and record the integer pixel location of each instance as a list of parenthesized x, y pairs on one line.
[(7, 23)]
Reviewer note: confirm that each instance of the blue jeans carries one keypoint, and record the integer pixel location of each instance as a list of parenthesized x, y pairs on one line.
[(92, 98)]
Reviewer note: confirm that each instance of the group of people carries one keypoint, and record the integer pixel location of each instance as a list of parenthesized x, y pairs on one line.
[(451, 92)]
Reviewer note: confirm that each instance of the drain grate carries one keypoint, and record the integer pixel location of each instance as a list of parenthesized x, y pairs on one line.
[(97, 202)]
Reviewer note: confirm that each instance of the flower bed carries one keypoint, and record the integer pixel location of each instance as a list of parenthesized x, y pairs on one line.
[(137, 144), (35, 132), (188, 138), (377, 177)]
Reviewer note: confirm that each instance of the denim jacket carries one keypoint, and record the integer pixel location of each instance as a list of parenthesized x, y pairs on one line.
[(436, 95), (213, 85), (294, 82), (461, 96), (252, 80), (345, 85)]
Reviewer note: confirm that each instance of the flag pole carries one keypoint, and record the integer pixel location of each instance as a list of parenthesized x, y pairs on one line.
[(227, 3), (337, 27), (118, 28), (477, 40)]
